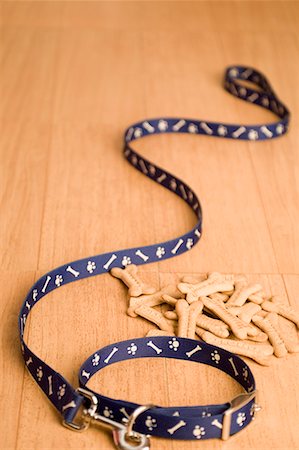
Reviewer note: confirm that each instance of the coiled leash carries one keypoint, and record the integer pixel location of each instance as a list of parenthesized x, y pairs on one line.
[(134, 423)]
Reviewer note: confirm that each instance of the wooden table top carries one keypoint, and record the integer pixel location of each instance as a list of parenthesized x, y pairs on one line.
[(74, 76)]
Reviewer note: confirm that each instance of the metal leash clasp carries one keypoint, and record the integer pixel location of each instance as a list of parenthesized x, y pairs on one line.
[(123, 435)]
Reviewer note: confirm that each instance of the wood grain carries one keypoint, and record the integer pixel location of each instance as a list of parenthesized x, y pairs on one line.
[(74, 75)]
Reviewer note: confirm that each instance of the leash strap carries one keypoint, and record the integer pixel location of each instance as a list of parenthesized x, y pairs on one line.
[(63, 396)]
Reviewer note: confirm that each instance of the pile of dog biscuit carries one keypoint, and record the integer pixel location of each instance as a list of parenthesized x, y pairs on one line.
[(222, 310)]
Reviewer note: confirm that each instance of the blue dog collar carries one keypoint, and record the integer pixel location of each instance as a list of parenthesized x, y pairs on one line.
[(195, 422)]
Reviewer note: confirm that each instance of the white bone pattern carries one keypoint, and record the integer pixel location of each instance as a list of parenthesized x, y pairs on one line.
[(132, 349), (34, 294), (91, 266), (180, 424), (109, 262), (154, 347), (150, 423), (173, 344), (73, 271), (245, 373), (198, 431), (114, 350), (160, 252), (195, 350), (141, 255)]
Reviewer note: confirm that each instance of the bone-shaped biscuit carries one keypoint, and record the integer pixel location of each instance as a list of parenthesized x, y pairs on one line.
[(194, 312), (273, 335), (195, 291), (258, 336), (154, 316), (242, 292), (151, 299), (130, 278), (256, 298), (193, 280), (156, 332), (283, 310), (239, 328), (182, 310), (284, 329), (259, 354), (247, 311), (220, 296), (215, 326)]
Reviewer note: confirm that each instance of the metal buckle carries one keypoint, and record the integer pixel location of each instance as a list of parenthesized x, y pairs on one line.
[(236, 404), (123, 435)]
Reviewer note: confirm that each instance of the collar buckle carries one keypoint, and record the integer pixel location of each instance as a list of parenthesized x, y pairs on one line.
[(236, 404)]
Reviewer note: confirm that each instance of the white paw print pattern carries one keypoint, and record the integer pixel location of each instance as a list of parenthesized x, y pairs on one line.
[(134, 160), (91, 266), (253, 135), (193, 128), (162, 125), (126, 261), (245, 373), (189, 243), (160, 252), (222, 130), (205, 414), (150, 423), (108, 412), (242, 91), (215, 356), (279, 128), (138, 132), (132, 349), (152, 169), (241, 419), (39, 373), (95, 360), (173, 344), (198, 431), (173, 184), (58, 280), (61, 391), (233, 72)]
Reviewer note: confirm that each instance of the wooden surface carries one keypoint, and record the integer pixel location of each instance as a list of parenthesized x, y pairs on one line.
[(74, 75)]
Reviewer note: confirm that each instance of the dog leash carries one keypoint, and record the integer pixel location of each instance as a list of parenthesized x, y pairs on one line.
[(132, 423)]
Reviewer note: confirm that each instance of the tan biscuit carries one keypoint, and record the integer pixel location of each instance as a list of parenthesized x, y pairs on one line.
[(285, 330), (213, 277), (259, 354), (234, 310), (172, 315), (258, 336), (130, 278), (182, 310), (256, 298), (195, 291), (283, 310), (220, 296), (195, 310), (151, 299), (248, 311), (239, 328), (242, 293), (156, 332), (190, 279), (154, 316), (215, 326), (273, 335), (228, 294), (171, 300)]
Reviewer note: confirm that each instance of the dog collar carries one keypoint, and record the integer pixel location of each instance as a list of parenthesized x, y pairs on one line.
[(215, 421)]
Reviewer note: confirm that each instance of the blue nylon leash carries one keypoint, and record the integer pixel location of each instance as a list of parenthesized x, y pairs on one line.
[(200, 422)]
